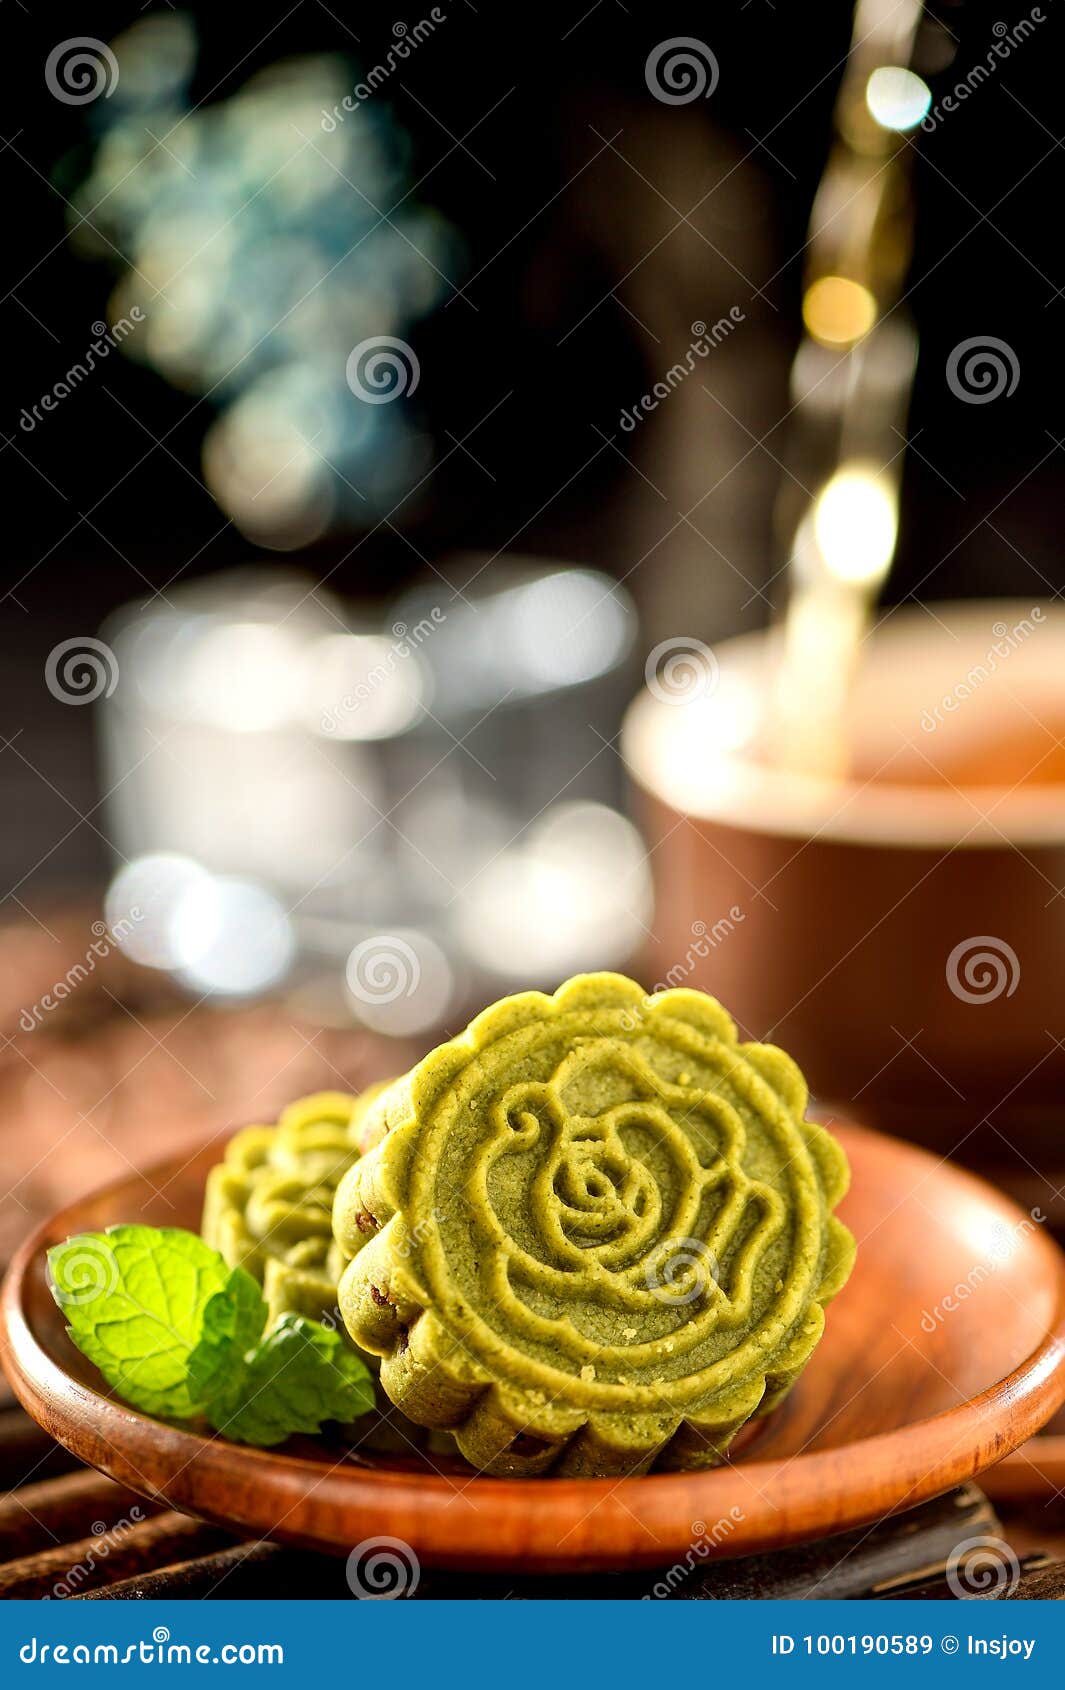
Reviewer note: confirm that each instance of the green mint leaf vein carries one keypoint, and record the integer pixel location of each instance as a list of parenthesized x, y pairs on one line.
[(299, 1375), (134, 1298), (179, 1334), (233, 1322)]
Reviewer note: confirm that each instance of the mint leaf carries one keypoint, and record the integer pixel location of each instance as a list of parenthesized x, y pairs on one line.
[(178, 1333), (299, 1375), (134, 1298), (233, 1322)]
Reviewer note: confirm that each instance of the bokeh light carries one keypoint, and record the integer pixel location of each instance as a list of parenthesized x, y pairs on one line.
[(263, 239), (855, 525), (898, 99), (575, 885), (141, 901), (838, 311), (232, 937)]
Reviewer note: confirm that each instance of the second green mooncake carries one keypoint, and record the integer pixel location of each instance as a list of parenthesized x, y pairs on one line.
[(268, 1205)]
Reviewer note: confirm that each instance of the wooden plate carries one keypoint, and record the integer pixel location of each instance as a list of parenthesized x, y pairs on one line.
[(945, 1351)]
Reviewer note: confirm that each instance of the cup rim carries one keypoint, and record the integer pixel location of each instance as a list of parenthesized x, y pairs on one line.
[(667, 747)]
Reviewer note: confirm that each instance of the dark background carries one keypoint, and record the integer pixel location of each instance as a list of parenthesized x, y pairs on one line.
[(564, 251)]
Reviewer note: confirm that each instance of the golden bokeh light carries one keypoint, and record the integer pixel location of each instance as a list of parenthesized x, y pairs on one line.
[(837, 311)]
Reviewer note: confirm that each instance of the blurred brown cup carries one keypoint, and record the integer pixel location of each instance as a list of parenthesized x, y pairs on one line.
[(901, 932)]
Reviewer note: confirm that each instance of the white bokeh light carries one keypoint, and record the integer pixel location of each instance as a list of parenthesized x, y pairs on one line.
[(563, 629), (855, 525), (898, 99), (364, 686), (141, 901), (399, 982), (231, 936), (573, 892)]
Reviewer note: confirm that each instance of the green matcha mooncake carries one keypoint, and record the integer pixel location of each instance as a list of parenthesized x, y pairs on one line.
[(268, 1206), (594, 1234)]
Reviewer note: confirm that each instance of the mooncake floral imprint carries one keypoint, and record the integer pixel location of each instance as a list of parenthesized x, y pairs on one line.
[(595, 1232), (268, 1205)]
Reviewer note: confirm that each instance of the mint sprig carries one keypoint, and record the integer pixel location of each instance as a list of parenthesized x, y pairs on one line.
[(178, 1333), (299, 1375)]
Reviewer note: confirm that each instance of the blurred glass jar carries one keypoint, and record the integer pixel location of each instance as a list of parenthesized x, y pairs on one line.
[(393, 817)]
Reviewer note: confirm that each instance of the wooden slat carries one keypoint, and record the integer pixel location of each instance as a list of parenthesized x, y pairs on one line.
[(932, 1585), (92, 1561), (27, 1453), (57, 1511), (250, 1570)]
